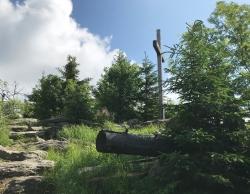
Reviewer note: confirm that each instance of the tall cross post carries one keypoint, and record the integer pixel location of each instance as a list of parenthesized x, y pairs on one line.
[(157, 47)]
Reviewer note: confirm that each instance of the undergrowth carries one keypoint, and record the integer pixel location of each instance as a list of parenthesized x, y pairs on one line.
[(83, 170), (4, 133)]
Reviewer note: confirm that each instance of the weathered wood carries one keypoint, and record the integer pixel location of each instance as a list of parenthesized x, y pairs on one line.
[(124, 143), (157, 47)]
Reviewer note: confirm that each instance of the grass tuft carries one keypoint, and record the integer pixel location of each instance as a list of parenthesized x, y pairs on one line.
[(4, 133)]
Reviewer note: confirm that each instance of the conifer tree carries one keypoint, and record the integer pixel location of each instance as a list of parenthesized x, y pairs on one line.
[(149, 91), (118, 88)]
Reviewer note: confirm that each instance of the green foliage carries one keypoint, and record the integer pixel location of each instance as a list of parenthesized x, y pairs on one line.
[(78, 103), (231, 23), (4, 134), (146, 130), (118, 88), (13, 108), (69, 175), (28, 109), (112, 126), (148, 95), (70, 71), (4, 130), (209, 136), (48, 97), (67, 96), (81, 169), (79, 132), (202, 76), (102, 115)]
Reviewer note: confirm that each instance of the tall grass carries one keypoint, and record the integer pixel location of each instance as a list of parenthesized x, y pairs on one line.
[(83, 170), (4, 133)]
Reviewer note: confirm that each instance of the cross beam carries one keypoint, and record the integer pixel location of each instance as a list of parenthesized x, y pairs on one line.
[(157, 47)]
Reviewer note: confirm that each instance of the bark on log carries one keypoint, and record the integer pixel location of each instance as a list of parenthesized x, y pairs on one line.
[(124, 143)]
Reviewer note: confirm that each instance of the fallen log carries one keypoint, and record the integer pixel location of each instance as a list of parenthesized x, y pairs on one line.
[(124, 143)]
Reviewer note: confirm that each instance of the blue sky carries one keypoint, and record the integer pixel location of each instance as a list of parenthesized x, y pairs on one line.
[(36, 36), (132, 23)]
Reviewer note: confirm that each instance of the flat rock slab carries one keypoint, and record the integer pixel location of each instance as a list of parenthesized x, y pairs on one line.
[(24, 168), (25, 121), (22, 128), (49, 144), (11, 155), (26, 185), (26, 134)]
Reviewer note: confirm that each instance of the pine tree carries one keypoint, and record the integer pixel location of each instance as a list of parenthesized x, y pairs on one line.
[(118, 89), (149, 91), (209, 134), (70, 71)]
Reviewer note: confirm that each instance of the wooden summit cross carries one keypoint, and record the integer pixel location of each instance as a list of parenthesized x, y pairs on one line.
[(160, 59)]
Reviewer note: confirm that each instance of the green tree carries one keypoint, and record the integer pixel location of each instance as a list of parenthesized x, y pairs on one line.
[(118, 88), (70, 71), (208, 133), (231, 23), (79, 101), (48, 97), (63, 96), (149, 91), (201, 75)]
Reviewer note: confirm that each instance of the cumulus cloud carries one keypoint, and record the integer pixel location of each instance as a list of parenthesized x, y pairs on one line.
[(37, 35)]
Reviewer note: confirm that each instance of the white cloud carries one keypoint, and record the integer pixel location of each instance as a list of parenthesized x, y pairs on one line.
[(37, 35)]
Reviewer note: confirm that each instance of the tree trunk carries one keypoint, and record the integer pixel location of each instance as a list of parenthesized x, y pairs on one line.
[(124, 143)]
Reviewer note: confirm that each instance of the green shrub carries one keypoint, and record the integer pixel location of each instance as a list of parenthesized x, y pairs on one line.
[(28, 110), (13, 108)]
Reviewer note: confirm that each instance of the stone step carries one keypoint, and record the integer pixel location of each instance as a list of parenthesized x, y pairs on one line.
[(48, 144), (23, 128), (26, 185), (25, 121), (11, 155), (26, 134), (24, 168)]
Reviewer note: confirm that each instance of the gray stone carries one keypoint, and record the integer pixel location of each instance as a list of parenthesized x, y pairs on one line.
[(11, 155), (26, 185), (49, 144), (23, 128), (24, 168), (26, 134)]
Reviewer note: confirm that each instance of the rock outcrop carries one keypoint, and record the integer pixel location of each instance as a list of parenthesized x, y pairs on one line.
[(11, 155), (22, 166), (49, 144)]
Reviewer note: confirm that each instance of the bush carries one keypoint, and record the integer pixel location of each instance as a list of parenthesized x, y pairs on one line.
[(28, 110), (13, 108)]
